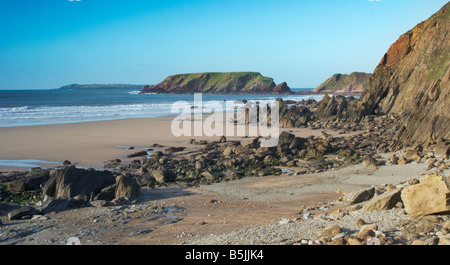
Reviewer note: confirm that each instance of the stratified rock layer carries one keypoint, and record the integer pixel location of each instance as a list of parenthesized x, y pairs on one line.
[(412, 81)]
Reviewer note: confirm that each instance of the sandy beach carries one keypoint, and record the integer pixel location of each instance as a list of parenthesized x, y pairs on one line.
[(89, 144), (268, 209)]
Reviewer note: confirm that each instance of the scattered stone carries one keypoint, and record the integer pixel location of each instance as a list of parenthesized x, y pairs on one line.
[(100, 203), (369, 161), (308, 216), (359, 196), (412, 155), (442, 150), (137, 154), (403, 161), (384, 201), (367, 231), (284, 221), (360, 222), (163, 176), (112, 163), (175, 149), (395, 159), (331, 231)]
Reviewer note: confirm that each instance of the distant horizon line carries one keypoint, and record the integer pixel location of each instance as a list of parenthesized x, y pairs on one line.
[(27, 89)]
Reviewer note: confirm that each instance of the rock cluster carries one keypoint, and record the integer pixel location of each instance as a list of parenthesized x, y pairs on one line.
[(430, 227), (71, 187)]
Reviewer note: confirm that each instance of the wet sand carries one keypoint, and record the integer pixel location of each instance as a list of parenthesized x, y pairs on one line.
[(89, 144)]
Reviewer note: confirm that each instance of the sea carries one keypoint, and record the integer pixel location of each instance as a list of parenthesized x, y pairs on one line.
[(58, 106)]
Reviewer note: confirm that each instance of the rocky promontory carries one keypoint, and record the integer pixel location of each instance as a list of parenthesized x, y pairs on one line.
[(102, 86), (218, 83), (344, 83)]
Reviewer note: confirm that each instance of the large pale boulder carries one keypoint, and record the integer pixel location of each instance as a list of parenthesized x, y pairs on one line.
[(430, 196)]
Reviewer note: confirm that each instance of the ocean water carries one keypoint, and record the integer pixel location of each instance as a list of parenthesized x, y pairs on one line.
[(40, 107)]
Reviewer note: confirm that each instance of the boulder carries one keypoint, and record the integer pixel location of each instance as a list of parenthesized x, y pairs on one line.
[(285, 138), (430, 196), (127, 188), (5, 208), (175, 149), (412, 155), (140, 153), (254, 143), (318, 148), (61, 204), (359, 196), (442, 150), (107, 193), (369, 161), (162, 176), (330, 231), (112, 163), (71, 181), (23, 212), (385, 201)]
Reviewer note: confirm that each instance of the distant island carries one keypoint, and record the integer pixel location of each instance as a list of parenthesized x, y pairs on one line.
[(102, 86), (218, 83), (344, 83)]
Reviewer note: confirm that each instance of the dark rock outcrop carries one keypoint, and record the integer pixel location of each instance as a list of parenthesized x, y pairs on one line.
[(71, 181), (293, 116)]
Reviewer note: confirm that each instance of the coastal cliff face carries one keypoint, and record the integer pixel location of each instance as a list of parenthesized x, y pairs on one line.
[(411, 84), (218, 83), (343, 83), (412, 81)]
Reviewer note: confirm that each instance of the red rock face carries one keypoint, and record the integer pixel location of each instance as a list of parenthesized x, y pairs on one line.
[(282, 88), (397, 52), (412, 81)]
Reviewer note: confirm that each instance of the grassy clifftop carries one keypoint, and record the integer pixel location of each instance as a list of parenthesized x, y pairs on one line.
[(353, 82)]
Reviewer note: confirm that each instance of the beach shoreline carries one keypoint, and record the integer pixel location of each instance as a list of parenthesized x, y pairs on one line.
[(90, 144)]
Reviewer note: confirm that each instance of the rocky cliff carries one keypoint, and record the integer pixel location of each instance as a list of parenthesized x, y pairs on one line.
[(412, 81), (344, 83), (218, 83)]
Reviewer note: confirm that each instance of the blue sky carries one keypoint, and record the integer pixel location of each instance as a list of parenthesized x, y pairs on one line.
[(50, 43)]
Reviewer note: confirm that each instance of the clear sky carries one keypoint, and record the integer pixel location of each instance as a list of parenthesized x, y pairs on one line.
[(51, 43)]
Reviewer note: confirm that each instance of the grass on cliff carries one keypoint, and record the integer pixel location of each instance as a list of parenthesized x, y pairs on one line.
[(216, 79)]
